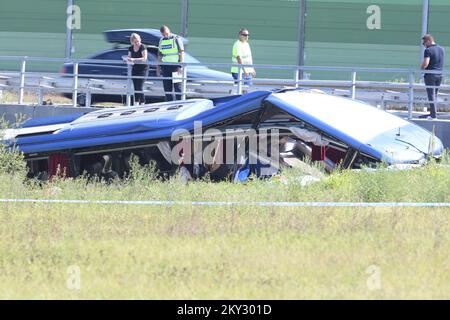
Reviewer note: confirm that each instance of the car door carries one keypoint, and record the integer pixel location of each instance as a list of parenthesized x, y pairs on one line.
[(152, 58), (107, 69)]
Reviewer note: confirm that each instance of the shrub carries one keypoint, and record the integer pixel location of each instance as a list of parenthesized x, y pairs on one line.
[(11, 161)]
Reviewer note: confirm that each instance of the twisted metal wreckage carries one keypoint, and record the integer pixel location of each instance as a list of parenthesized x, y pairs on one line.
[(227, 138)]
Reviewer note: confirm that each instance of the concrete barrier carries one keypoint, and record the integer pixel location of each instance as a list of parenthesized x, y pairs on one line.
[(441, 129), (441, 125)]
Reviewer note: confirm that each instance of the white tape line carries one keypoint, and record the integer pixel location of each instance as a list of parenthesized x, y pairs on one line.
[(235, 203)]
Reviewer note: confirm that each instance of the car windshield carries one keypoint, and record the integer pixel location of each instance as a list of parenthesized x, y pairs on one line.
[(118, 53), (190, 59), (110, 55)]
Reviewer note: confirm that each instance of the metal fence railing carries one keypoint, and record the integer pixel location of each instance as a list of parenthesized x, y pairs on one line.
[(78, 83)]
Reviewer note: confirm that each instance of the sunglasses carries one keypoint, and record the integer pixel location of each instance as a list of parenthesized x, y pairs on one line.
[(245, 34)]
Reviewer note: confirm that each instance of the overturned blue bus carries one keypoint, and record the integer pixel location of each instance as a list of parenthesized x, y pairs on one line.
[(261, 131)]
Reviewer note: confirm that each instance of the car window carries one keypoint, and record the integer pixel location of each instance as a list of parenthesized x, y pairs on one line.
[(187, 58), (111, 55), (152, 57)]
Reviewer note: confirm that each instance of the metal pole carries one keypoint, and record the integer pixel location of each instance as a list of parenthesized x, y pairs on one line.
[(22, 80), (129, 66), (301, 36), (41, 90), (40, 95), (183, 84), (75, 84), (353, 84), (88, 96), (239, 84), (425, 13), (69, 30), (184, 18), (411, 95)]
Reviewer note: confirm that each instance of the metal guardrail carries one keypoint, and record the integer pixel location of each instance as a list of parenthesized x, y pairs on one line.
[(236, 86)]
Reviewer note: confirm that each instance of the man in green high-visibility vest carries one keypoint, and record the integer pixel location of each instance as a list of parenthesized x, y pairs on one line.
[(242, 54), (171, 49)]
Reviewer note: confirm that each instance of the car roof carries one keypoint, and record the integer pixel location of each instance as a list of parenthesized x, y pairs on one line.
[(148, 36), (152, 50), (155, 121)]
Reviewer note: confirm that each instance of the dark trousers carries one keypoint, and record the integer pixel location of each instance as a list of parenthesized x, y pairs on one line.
[(433, 80), (138, 84), (168, 84)]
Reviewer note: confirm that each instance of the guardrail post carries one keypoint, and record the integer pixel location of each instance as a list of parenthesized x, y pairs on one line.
[(353, 84), (184, 83), (75, 84), (129, 66), (40, 95), (239, 84), (22, 80), (88, 96), (296, 76), (410, 94)]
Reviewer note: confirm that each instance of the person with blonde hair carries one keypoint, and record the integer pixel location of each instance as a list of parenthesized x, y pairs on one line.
[(137, 54)]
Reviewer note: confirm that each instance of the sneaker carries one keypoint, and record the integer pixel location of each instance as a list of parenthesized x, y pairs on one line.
[(425, 116), (431, 118)]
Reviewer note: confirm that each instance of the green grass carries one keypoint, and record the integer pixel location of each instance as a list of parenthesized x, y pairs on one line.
[(9, 96), (236, 252)]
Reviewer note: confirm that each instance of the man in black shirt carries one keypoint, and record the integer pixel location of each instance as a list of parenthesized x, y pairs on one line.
[(433, 60)]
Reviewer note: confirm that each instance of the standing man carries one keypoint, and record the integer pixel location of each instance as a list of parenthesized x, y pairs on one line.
[(171, 49), (433, 60), (242, 54)]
